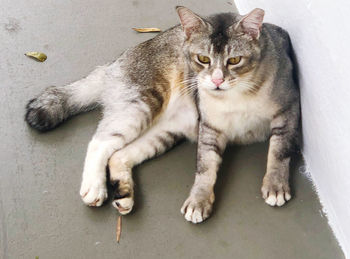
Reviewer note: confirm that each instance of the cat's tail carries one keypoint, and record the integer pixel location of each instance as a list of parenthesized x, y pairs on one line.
[(56, 104)]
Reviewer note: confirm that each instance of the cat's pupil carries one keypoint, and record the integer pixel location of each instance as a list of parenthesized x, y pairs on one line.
[(234, 60), (204, 59)]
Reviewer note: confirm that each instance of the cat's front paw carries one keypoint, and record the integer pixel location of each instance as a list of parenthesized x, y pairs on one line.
[(198, 207), (275, 192), (93, 192), (123, 196)]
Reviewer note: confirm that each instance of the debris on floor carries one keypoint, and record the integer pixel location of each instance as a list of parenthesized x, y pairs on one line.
[(39, 56), (147, 29), (119, 228)]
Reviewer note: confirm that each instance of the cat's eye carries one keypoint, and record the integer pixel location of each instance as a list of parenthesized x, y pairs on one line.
[(234, 61), (203, 59)]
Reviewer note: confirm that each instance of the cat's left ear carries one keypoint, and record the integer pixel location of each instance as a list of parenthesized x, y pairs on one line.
[(251, 23), (191, 22)]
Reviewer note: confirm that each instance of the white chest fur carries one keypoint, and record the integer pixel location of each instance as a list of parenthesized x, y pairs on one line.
[(243, 118), (181, 115)]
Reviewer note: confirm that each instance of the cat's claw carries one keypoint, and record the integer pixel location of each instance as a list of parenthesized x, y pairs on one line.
[(93, 193), (196, 210), (275, 194)]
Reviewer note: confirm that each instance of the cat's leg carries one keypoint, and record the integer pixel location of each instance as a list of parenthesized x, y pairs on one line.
[(211, 145), (180, 120), (284, 133), (125, 118), (156, 141)]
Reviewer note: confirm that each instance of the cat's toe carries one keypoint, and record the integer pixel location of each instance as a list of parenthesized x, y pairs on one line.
[(196, 210), (123, 196), (94, 193), (124, 206), (275, 194), (193, 215)]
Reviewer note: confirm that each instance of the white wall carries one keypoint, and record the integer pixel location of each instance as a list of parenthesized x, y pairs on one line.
[(320, 33)]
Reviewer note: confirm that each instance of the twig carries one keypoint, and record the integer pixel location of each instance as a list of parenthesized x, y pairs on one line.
[(119, 228)]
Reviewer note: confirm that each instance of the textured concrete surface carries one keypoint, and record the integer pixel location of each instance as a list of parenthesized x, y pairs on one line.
[(41, 213)]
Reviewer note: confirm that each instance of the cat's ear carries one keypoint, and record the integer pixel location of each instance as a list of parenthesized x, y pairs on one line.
[(251, 23), (191, 22)]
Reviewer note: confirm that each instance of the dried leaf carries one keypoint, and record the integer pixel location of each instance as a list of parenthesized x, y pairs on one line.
[(119, 228), (146, 29), (39, 56)]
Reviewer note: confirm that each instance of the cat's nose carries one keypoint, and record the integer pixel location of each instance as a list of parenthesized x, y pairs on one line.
[(217, 77), (217, 81)]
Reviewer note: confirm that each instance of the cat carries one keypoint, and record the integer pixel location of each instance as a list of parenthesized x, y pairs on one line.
[(223, 79)]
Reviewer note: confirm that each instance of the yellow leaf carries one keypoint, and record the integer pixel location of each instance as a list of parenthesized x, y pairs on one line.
[(39, 56), (146, 29)]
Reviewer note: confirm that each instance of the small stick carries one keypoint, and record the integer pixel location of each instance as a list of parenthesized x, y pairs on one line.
[(119, 228)]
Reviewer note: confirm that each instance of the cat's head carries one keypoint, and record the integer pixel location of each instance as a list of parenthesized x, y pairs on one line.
[(223, 49)]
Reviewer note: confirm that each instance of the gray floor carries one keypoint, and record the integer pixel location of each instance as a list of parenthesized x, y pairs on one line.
[(41, 213)]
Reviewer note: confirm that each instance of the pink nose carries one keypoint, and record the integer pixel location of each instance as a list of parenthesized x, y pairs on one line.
[(217, 82)]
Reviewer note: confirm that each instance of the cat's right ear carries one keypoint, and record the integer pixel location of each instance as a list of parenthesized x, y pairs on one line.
[(191, 22)]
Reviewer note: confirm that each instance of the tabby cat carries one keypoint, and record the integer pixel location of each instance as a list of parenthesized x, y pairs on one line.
[(218, 80)]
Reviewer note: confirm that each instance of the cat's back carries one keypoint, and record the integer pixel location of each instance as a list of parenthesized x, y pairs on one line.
[(276, 36), (160, 51), (278, 56), (153, 62)]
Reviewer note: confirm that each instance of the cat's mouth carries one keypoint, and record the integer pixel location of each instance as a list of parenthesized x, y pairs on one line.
[(217, 91)]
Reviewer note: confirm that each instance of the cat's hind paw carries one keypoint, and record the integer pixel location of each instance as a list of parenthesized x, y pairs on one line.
[(93, 193)]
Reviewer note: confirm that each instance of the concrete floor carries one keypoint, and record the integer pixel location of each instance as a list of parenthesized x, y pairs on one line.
[(41, 213)]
